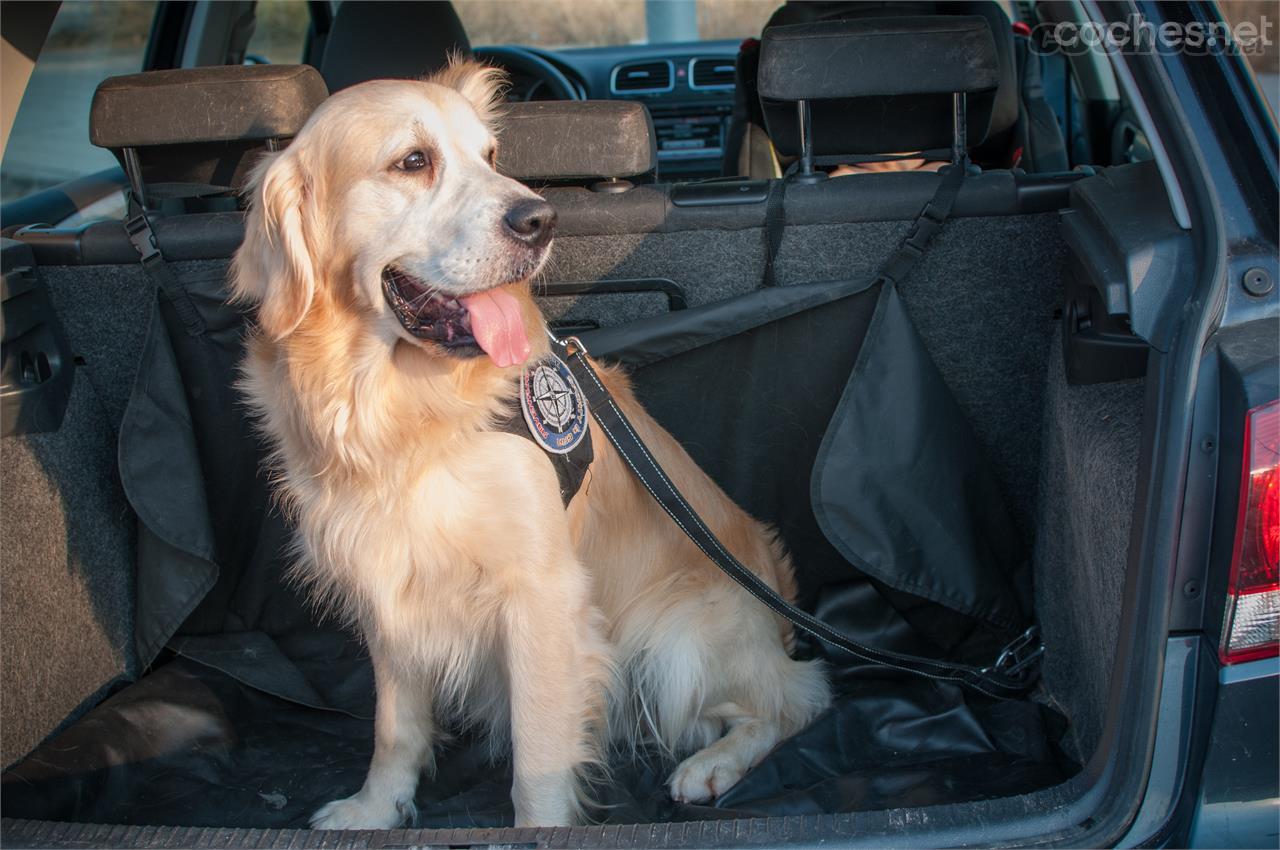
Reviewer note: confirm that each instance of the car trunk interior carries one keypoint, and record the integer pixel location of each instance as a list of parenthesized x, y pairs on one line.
[(160, 670)]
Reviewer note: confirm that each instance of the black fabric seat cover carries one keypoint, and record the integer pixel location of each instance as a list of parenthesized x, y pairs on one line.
[(259, 710)]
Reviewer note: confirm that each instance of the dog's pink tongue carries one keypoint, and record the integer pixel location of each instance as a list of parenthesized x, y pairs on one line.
[(498, 326)]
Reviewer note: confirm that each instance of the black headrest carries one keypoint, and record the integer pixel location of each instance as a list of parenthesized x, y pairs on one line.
[(878, 85), (572, 141), (377, 39), (198, 125), (1004, 112)]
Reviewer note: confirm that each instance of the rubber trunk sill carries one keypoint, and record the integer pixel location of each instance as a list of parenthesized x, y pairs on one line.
[(797, 830), (755, 832)]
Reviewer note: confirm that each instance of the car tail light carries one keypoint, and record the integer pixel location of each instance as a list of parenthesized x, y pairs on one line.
[(1252, 628)]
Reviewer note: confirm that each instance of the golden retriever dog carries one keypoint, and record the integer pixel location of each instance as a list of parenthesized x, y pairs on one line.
[(390, 265)]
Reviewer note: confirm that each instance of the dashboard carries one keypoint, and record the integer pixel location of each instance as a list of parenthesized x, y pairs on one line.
[(687, 87)]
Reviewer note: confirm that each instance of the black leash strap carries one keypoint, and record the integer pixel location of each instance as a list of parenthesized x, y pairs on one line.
[(1008, 677)]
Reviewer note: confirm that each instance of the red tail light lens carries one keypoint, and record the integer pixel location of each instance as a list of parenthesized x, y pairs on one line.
[(1252, 628)]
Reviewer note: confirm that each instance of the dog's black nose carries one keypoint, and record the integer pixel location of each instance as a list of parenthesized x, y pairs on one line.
[(531, 221)]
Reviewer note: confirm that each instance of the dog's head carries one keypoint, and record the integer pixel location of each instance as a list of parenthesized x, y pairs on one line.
[(387, 202)]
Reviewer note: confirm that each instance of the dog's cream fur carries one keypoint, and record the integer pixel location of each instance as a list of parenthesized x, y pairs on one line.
[(445, 542)]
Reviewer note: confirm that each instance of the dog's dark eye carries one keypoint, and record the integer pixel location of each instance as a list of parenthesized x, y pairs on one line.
[(491, 156), (415, 161)]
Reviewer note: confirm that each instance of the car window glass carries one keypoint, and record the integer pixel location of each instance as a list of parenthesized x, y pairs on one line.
[(1079, 86), (88, 42), (596, 23), (733, 18), (1062, 93), (1093, 111), (279, 32)]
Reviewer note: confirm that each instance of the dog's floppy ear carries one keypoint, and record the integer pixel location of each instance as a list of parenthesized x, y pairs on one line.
[(483, 85), (274, 267)]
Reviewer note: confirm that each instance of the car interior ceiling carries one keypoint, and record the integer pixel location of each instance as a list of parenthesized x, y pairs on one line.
[(169, 672)]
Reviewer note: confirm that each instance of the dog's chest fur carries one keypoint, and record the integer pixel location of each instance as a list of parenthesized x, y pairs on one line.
[(440, 553), (415, 528)]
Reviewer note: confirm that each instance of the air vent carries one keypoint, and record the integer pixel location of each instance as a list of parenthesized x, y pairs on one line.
[(643, 77), (711, 72)]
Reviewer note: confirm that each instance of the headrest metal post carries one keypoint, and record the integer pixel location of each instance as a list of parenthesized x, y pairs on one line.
[(959, 127), (133, 170), (805, 120)]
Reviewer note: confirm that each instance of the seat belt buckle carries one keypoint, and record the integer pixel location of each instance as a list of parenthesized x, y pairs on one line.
[(922, 232), (926, 226), (1020, 655)]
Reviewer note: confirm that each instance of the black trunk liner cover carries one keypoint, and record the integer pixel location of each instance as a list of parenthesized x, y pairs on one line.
[(189, 746), (258, 710)]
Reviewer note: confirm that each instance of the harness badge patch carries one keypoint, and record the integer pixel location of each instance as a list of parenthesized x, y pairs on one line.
[(553, 405)]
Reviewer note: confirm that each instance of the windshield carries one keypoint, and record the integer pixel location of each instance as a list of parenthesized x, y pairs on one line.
[(597, 23)]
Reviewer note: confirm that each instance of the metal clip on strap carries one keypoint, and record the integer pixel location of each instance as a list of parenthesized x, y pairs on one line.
[(1021, 655)]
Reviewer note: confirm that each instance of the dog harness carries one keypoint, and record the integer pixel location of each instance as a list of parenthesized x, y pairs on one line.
[(552, 412)]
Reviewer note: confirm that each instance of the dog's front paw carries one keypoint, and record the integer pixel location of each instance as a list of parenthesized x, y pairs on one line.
[(362, 812), (704, 776)]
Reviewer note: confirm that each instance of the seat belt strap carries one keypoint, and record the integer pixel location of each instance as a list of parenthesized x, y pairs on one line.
[(926, 226), (1009, 676), (143, 238)]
